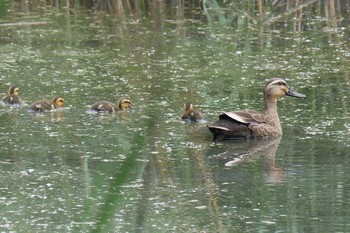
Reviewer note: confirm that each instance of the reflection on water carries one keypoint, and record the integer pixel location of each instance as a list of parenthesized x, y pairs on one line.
[(247, 151), (146, 170), (47, 116), (103, 117)]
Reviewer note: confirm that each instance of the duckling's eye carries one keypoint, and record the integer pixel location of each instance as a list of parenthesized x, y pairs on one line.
[(281, 84)]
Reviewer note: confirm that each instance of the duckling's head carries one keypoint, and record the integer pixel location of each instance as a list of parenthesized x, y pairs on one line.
[(13, 90), (277, 87), (188, 106), (58, 101), (125, 103)]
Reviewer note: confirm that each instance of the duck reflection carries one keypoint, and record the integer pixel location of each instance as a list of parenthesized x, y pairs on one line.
[(53, 116), (238, 152), (105, 117)]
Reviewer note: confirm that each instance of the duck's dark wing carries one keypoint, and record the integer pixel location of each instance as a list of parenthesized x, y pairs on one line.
[(244, 116), (236, 125)]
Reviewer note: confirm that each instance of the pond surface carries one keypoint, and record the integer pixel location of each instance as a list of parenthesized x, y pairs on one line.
[(146, 170)]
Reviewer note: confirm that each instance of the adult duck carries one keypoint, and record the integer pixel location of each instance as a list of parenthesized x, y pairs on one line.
[(106, 106), (45, 105), (191, 114), (12, 97), (246, 124)]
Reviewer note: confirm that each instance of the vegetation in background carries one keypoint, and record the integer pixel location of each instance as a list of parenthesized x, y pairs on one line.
[(231, 12)]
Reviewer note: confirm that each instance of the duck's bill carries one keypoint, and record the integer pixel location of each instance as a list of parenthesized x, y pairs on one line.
[(293, 93)]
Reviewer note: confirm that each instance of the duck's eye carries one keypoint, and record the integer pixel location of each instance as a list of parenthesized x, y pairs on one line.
[(281, 84)]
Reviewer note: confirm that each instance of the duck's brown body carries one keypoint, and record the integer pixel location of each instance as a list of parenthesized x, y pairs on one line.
[(191, 114), (250, 123), (106, 106), (12, 98), (45, 105)]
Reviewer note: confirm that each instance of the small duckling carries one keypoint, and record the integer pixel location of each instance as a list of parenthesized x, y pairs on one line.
[(106, 106), (45, 106), (12, 97), (190, 114)]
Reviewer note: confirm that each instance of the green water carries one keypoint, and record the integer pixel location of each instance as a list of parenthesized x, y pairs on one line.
[(146, 170)]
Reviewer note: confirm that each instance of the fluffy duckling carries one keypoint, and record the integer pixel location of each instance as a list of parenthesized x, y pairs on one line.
[(106, 106), (191, 114), (250, 123), (12, 97), (44, 105)]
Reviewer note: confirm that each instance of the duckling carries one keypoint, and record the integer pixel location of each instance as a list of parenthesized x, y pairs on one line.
[(12, 97), (106, 106), (191, 114), (246, 124), (45, 106)]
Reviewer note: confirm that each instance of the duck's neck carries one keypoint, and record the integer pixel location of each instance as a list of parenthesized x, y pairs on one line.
[(271, 111)]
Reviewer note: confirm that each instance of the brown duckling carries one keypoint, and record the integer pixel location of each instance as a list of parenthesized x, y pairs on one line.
[(45, 106), (191, 114), (12, 97), (106, 106), (250, 123)]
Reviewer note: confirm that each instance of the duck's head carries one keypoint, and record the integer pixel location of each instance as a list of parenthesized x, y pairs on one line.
[(125, 103), (277, 87), (58, 101), (13, 90)]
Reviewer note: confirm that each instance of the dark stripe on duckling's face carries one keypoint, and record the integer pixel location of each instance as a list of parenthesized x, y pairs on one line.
[(188, 106), (58, 101), (125, 104), (14, 90)]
